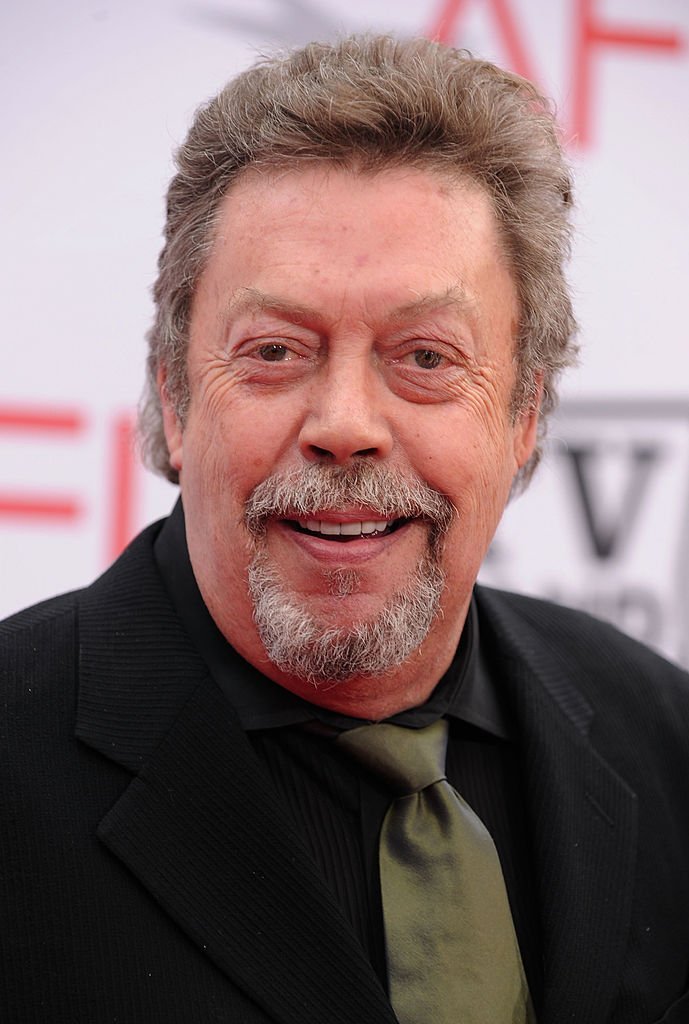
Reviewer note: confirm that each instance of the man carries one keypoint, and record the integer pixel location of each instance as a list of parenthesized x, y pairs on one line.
[(361, 315)]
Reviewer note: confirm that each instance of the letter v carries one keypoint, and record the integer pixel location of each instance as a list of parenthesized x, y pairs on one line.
[(606, 537)]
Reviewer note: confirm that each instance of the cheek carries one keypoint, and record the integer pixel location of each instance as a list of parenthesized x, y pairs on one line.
[(205, 474), (226, 456), (478, 480), (469, 455)]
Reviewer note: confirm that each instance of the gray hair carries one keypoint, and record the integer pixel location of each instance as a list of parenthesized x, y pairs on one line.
[(368, 103)]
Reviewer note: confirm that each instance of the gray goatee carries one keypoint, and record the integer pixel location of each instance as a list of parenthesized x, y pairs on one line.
[(296, 640)]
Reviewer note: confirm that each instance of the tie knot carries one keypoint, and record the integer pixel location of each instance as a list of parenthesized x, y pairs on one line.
[(407, 760)]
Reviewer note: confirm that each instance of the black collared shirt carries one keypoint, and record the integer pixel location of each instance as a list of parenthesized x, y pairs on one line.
[(338, 810)]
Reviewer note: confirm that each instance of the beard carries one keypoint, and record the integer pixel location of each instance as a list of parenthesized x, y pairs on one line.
[(296, 640)]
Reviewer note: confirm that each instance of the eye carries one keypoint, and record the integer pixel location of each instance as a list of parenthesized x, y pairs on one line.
[(273, 352), (427, 358)]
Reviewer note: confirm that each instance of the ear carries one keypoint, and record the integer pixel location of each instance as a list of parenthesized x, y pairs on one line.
[(526, 425), (171, 424)]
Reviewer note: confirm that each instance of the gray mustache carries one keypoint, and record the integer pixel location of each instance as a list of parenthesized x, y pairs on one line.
[(384, 490)]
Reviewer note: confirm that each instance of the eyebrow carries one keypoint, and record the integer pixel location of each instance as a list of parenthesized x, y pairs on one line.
[(253, 300), (454, 298)]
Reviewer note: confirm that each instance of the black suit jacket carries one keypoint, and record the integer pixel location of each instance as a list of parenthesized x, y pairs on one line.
[(149, 874)]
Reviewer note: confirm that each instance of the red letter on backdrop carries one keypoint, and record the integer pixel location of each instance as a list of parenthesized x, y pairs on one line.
[(122, 480), (446, 28), (40, 421), (592, 33)]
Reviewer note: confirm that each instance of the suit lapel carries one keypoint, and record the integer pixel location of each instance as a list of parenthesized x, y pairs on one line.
[(199, 825), (585, 829), (583, 826), (201, 828)]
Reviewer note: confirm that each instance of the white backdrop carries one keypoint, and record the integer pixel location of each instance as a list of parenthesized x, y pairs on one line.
[(96, 96)]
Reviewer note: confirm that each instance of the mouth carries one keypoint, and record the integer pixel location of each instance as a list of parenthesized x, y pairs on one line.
[(346, 530)]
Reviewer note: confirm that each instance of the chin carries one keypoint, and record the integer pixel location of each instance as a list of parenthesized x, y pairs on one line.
[(336, 638)]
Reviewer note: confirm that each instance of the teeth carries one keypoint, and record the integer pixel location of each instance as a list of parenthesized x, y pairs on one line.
[(330, 529), (371, 526), (351, 529), (355, 529)]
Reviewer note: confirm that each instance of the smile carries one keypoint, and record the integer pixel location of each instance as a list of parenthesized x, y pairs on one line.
[(346, 530)]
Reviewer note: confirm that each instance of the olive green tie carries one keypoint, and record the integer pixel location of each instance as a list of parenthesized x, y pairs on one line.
[(451, 948)]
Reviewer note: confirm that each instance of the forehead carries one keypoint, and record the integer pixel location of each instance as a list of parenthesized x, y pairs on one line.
[(384, 239), (347, 189)]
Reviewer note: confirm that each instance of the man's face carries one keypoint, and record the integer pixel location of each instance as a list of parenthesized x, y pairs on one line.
[(352, 338)]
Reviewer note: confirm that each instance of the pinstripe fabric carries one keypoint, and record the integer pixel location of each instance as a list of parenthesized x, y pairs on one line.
[(147, 872)]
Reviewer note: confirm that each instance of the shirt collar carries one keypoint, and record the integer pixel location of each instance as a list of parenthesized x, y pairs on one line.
[(466, 692)]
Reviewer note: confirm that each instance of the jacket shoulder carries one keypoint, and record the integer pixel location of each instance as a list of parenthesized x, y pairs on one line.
[(558, 626), (38, 616), (38, 649), (617, 675), (40, 644)]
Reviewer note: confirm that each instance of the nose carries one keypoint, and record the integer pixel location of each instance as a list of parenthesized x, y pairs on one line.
[(346, 415)]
